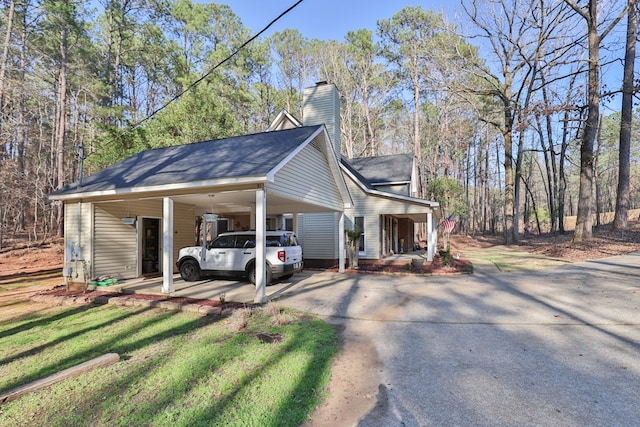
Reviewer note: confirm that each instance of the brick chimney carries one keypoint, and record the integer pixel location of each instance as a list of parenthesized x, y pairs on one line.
[(321, 105)]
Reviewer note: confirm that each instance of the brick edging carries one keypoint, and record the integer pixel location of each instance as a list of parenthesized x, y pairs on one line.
[(124, 300)]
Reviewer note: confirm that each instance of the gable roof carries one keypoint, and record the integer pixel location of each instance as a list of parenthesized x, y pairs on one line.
[(247, 158), (352, 171), (379, 170), (284, 120), (368, 186)]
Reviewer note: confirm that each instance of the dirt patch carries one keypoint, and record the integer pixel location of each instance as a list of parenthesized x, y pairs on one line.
[(24, 260), (353, 385)]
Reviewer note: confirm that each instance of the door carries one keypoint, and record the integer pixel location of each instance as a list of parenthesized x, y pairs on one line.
[(244, 252), (219, 254), (150, 245)]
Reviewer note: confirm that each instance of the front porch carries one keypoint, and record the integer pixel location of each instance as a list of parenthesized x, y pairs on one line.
[(412, 258)]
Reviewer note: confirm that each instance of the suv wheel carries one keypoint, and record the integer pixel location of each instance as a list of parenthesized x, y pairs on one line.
[(190, 270), (252, 274)]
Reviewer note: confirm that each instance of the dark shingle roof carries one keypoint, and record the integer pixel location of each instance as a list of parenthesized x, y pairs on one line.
[(384, 169), (356, 174), (242, 156)]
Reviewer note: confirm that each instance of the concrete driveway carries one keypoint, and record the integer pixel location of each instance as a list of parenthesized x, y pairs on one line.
[(557, 347)]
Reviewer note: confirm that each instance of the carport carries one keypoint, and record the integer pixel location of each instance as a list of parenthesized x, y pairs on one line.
[(289, 171)]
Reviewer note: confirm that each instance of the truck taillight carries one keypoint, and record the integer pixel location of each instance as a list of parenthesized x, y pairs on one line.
[(282, 256)]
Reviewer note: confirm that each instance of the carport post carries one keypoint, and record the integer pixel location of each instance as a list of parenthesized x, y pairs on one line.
[(167, 245), (261, 243), (432, 236), (341, 243)]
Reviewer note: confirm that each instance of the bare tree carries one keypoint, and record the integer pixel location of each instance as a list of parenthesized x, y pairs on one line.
[(584, 220), (510, 34), (624, 165)]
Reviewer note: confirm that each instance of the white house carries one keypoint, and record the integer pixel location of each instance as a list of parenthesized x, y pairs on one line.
[(130, 219), (382, 189)]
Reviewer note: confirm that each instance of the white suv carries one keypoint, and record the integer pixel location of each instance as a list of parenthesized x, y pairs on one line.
[(234, 254)]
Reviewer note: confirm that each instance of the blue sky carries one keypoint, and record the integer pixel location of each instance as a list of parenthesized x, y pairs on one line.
[(332, 19), (328, 19)]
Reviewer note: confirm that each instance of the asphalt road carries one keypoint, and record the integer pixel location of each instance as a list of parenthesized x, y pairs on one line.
[(552, 347)]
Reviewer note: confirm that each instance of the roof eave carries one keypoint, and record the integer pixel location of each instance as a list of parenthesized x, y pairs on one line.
[(379, 193), (391, 183), (261, 179)]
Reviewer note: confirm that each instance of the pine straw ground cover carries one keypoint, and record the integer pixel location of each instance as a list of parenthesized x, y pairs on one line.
[(606, 242)]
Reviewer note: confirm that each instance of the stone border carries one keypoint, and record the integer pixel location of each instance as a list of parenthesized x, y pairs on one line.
[(127, 300)]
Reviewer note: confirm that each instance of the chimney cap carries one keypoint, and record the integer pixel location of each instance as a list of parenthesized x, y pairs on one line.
[(322, 82)]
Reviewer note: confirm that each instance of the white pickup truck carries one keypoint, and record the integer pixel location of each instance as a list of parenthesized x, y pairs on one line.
[(234, 254)]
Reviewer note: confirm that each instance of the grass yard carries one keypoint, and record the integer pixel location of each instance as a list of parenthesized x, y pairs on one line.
[(259, 367)]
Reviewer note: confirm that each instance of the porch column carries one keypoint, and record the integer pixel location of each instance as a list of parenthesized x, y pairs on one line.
[(395, 235), (432, 237), (167, 245), (261, 244), (341, 243)]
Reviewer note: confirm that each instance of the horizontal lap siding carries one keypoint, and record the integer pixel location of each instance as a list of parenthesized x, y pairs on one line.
[(78, 234), (184, 229), (368, 204), (372, 207), (116, 244), (77, 228), (318, 234), (308, 178), (402, 189)]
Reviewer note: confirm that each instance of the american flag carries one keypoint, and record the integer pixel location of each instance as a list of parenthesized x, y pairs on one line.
[(449, 223)]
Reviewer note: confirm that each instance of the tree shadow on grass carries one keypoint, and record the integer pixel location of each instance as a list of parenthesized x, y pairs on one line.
[(168, 374)]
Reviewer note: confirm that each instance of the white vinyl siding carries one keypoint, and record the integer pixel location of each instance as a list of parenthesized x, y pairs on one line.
[(372, 208), (401, 189), (318, 235), (321, 106), (78, 241), (308, 178), (184, 225), (115, 243), (116, 248)]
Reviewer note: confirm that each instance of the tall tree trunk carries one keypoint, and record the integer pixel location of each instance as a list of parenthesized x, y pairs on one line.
[(22, 126), (596, 174), (624, 166), (486, 197), (3, 69), (508, 177), (416, 128), (584, 220), (61, 125), (564, 145), (550, 162)]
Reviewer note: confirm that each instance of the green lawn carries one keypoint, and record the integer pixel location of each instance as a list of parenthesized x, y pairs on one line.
[(260, 367)]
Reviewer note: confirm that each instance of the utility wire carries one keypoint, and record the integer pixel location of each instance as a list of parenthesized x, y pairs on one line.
[(204, 76)]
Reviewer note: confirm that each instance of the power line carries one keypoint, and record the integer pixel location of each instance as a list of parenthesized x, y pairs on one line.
[(204, 76)]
